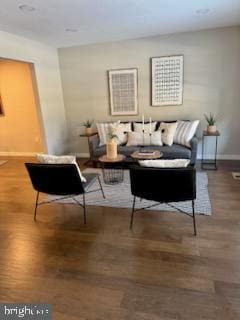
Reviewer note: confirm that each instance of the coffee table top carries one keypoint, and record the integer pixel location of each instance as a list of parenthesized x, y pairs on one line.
[(104, 158), (155, 154)]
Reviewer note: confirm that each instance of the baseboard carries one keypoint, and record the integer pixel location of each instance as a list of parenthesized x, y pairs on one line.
[(81, 155), (17, 154), (220, 156)]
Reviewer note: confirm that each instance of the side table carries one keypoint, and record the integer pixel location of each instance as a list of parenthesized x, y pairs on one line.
[(88, 136), (112, 169), (209, 164)]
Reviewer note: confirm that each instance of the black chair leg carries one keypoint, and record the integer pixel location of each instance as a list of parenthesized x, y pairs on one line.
[(101, 187), (194, 221), (36, 205), (84, 210), (133, 208)]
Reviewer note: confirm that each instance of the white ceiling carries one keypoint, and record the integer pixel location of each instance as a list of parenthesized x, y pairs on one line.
[(110, 20)]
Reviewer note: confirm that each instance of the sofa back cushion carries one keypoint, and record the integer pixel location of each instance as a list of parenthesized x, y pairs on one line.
[(167, 130), (138, 127), (121, 130), (138, 139), (103, 129), (185, 132)]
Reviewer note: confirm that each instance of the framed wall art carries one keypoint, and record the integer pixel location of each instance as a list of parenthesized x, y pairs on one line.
[(167, 80), (123, 91)]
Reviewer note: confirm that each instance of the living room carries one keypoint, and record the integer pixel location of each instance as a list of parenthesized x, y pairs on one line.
[(102, 269)]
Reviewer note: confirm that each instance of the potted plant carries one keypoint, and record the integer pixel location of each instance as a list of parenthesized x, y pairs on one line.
[(88, 126), (211, 120), (111, 146)]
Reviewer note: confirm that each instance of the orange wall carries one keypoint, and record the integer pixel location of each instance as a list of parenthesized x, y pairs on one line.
[(19, 126)]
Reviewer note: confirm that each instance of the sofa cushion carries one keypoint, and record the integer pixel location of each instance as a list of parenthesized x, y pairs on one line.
[(185, 132), (167, 131), (103, 129), (138, 127), (121, 130), (140, 139), (176, 151)]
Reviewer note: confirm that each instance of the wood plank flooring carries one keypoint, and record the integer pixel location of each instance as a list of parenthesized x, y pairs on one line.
[(105, 271)]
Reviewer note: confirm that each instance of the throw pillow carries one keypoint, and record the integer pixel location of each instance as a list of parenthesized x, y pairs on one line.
[(175, 163), (167, 131), (138, 127), (137, 139), (103, 130), (185, 132), (121, 130), (51, 159)]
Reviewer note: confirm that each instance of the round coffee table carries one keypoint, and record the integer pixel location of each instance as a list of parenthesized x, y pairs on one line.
[(141, 155), (112, 169)]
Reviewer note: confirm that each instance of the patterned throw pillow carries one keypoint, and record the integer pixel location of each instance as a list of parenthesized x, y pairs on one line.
[(121, 130), (137, 139), (185, 132), (138, 127), (51, 159), (103, 130), (167, 131)]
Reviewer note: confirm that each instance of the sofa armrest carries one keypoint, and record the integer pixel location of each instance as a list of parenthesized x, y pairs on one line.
[(194, 147), (93, 144)]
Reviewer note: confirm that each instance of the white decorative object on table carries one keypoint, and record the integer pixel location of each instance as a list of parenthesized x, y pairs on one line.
[(171, 163)]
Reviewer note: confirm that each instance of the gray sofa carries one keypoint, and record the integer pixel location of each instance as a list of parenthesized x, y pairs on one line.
[(176, 151)]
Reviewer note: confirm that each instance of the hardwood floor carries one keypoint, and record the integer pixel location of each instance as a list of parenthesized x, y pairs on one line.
[(105, 271)]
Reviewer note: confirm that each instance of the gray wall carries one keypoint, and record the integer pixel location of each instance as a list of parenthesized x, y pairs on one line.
[(211, 82)]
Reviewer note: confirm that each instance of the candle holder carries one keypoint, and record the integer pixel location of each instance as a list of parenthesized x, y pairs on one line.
[(143, 141)]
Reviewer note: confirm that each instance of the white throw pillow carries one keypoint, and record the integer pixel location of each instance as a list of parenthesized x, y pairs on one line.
[(103, 130), (185, 132), (175, 163), (52, 159), (138, 127), (168, 131), (137, 139), (121, 130)]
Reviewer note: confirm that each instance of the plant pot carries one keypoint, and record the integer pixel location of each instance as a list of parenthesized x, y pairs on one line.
[(211, 129), (111, 149), (88, 131)]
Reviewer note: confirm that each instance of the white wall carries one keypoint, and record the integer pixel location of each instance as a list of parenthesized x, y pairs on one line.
[(211, 81), (45, 60)]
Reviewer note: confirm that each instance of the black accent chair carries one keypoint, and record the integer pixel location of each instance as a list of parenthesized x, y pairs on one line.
[(164, 185), (62, 180)]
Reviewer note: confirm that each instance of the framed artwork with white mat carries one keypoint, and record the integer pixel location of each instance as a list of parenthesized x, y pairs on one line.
[(123, 93)]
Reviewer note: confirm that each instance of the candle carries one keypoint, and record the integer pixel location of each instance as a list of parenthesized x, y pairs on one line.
[(143, 122), (150, 125)]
